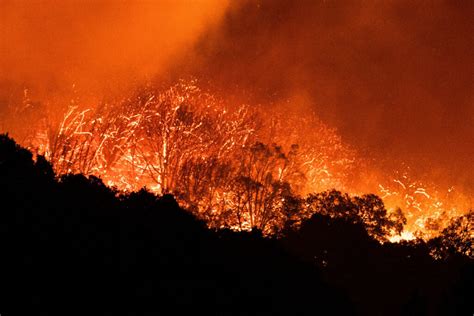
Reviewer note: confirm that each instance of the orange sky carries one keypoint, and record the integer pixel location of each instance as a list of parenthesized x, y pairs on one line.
[(56, 42)]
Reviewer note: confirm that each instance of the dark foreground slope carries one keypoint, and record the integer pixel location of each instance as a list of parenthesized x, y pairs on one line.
[(73, 247)]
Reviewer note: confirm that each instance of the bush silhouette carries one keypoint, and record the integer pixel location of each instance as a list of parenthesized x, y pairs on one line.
[(73, 246)]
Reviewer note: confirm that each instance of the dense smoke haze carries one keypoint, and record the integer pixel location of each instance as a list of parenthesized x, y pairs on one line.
[(394, 77), (48, 45)]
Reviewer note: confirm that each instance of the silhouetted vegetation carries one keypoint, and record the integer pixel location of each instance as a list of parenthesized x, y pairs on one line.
[(73, 245)]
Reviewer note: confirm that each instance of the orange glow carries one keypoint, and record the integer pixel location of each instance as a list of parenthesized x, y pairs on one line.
[(184, 141), (334, 91), (98, 44)]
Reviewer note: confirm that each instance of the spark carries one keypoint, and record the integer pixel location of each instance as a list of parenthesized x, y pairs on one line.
[(184, 141)]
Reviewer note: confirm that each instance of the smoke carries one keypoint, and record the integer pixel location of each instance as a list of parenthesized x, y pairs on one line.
[(395, 77), (49, 45)]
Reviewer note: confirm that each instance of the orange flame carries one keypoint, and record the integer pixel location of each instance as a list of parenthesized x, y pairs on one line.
[(217, 157)]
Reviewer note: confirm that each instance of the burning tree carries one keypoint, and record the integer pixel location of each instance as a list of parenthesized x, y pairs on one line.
[(183, 126), (322, 157), (256, 194)]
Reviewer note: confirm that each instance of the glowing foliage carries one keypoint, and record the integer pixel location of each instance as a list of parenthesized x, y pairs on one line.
[(234, 166)]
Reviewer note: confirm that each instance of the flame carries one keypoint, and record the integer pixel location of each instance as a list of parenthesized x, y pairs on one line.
[(218, 158), (428, 209)]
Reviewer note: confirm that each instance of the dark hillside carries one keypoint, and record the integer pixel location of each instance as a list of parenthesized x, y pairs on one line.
[(74, 246)]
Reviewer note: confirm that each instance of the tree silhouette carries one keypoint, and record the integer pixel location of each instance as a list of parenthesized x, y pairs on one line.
[(368, 210), (456, 239), (260, 188)]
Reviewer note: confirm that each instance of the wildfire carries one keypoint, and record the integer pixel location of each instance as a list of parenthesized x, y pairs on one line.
[(427, 208), (233, 165)]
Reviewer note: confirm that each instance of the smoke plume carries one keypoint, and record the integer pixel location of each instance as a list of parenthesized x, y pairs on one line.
[(395, 77), (49, 45)]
